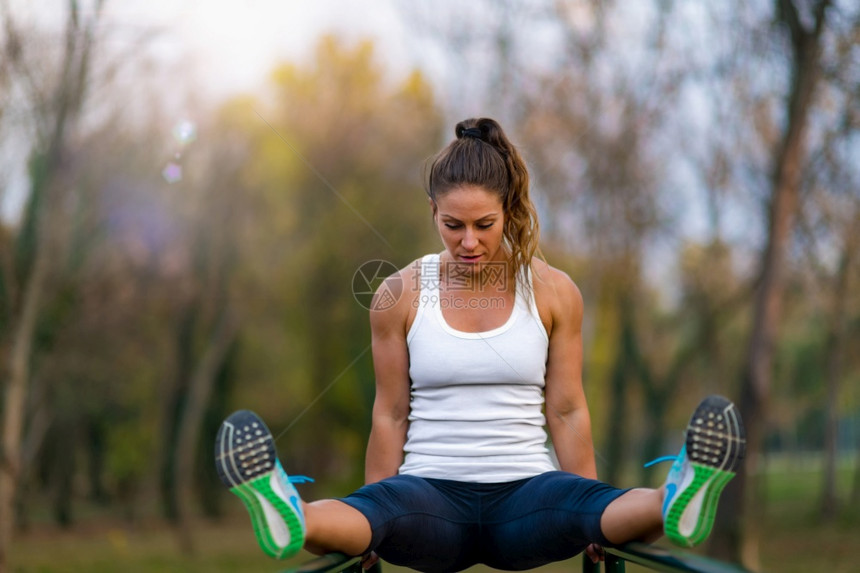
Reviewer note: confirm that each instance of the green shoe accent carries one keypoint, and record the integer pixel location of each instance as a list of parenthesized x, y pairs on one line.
[(714, 447), (247, 464), (707, 483), (710, 507), (260, 498)]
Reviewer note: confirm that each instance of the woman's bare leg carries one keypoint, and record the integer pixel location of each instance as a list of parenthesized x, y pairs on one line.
[(635, 516), (335, 526)]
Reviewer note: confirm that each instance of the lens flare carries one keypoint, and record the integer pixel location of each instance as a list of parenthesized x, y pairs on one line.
[(172, 173), (185, 132)]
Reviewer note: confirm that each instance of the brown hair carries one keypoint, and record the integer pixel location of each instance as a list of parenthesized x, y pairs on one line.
[(483, 156)]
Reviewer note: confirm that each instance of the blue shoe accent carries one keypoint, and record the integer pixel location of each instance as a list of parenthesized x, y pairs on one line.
[(296, 503), (660, 460), (671, 489), (673, 478)]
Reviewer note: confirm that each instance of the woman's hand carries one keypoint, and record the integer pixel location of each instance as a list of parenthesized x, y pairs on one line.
[(371, 559), (595, 553)]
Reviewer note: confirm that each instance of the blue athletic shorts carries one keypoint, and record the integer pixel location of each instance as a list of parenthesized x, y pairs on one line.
[(441, 525)]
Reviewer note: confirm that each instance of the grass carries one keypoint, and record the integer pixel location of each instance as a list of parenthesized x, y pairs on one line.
[(793, 540)]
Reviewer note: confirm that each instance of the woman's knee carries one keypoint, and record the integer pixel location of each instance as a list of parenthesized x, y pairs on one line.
[(634, 516), (332, 525)]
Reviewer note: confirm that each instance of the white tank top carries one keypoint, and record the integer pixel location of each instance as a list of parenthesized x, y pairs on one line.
[(476, 397)]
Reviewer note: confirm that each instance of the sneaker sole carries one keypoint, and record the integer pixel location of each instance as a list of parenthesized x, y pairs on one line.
[(247, 463), (715, 445)]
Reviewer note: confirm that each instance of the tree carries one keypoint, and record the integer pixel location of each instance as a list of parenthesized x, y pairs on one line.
[(830, 237), (339, 179), (804, 31), (213, 325), (591, 133), (25, 279)]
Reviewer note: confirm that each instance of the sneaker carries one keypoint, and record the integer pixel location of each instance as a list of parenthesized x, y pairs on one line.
[(248, 464), (714, 447)]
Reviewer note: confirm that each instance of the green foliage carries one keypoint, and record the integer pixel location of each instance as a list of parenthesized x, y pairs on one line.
[(130, 445), (332, 180)]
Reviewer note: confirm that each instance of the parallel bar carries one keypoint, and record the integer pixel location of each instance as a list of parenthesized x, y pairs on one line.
[(331, 562), (614, 564), (650, 556), (662, 559)]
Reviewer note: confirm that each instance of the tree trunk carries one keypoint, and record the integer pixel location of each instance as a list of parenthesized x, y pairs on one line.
[(833, 352), (658, 392), (171, 405), (736, 534), (15, 399), (855, 489), (617, 420), (63, 471), (33, 246), (199, 392), (97, 437), (656, 405)]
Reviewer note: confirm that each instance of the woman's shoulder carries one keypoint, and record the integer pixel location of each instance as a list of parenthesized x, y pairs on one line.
[(393, 301), (412, 274), (546, 276), (403, 280), (554, 290)]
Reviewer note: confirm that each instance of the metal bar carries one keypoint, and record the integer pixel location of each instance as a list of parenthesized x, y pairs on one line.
[(650, 556), (588, 566), (663, 559), (330, 562), (614, 564)]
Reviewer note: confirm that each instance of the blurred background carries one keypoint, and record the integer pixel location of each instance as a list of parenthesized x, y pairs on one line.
[(188, 188)]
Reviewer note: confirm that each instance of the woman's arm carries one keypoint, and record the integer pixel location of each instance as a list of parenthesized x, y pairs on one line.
[(391, 405), (566, 408)]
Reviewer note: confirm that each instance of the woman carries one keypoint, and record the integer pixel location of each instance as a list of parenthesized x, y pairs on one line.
[(483, 341)]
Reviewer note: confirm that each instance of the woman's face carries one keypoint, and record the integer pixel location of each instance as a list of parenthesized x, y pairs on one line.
[(471, 222)]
